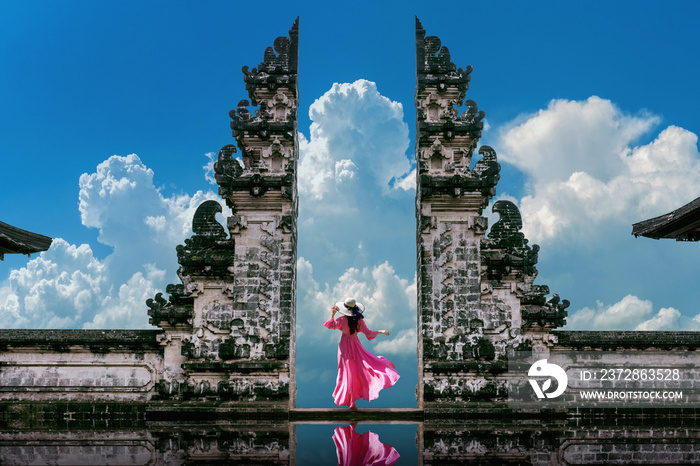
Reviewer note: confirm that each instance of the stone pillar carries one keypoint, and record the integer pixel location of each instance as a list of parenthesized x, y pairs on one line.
[(263, 197), (451, 195), (476, 297), (230, 327)]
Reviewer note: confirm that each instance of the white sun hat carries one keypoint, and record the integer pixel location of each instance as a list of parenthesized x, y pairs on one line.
[(345, 307)]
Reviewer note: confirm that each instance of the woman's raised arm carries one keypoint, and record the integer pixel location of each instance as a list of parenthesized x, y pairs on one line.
[(362, 327), (330, 323)]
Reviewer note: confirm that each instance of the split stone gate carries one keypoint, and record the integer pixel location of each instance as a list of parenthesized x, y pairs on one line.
[(229, 327), (227, 331)]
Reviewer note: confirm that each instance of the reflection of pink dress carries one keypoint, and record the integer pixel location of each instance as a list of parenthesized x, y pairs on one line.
[(360, 373), (355, 449)]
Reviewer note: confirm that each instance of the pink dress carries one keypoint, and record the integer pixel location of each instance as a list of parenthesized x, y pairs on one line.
[(360, 373), (355, 449)]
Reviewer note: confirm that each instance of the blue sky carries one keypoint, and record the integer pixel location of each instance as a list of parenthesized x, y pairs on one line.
[(591, 108)]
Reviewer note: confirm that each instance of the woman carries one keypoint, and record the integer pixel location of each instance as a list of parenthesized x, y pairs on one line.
[(360, 373)]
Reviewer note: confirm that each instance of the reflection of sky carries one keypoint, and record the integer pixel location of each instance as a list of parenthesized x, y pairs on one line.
[(315, 441)]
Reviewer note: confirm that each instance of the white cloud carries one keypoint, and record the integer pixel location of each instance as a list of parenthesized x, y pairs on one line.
[(623, 315), (630, 313), (157, 223), (390, 303), (694, 323), (209, 167), (357, 135), (408, 182), (56, 289), (356, 182), (667, 319), (585, 173), (68, 287), (404, 342), (345, 170), (129, 303)]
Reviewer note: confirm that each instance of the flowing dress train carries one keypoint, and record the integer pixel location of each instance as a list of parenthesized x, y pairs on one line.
[(361, 374)]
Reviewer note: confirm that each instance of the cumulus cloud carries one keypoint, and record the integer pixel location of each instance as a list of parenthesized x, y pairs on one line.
[(357, 135), (666, 319), (630, 313), (403, 343), (584, 171), (390, 303), (356, 182), (623, 315), (55, 290), (68, 287)]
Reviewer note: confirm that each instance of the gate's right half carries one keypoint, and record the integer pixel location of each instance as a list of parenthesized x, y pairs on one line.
[(476, 298)]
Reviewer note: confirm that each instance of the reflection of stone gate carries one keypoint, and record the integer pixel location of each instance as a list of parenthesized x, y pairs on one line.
[(113, 434)]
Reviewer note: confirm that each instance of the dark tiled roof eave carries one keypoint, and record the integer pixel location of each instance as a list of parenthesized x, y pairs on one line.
[(672, 224), (14, 240)]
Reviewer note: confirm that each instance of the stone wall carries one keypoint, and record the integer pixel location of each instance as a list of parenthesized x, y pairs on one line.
[(79, 365)]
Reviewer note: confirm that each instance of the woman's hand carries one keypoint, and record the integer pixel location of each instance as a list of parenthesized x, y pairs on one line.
[(384, 332), (334, 309)]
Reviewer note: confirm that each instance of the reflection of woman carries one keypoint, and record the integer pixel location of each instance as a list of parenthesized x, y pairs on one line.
[(355, 449), (360, 373)]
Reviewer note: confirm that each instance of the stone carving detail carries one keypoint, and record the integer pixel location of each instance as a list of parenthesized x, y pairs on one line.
[(177, 310), (505, 254), (278, 68), (460, 178), (208, 251), (435, 68), (226, 168), (506, 250), (218, 316), (266, 136), (446, 139), (538, 313)]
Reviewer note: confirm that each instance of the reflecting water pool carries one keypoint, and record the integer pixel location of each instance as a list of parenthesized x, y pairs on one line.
[(71, 437)]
